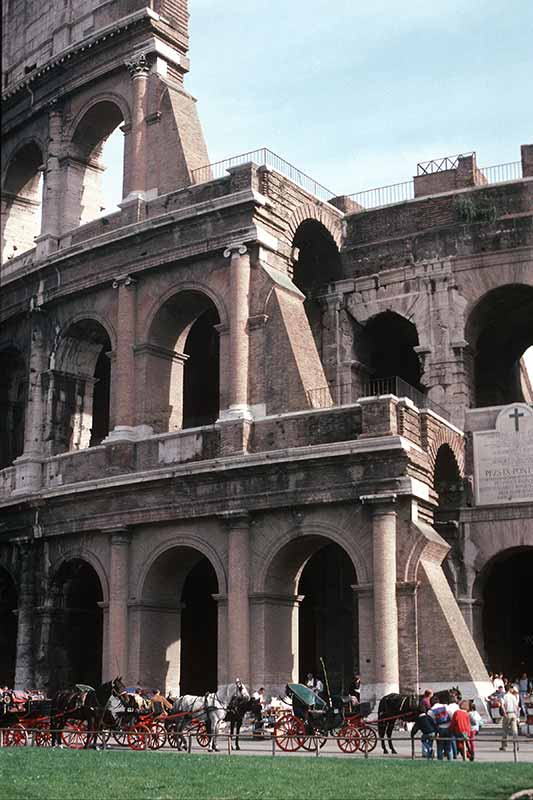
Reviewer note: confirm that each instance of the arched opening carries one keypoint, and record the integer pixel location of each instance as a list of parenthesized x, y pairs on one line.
[(499, 332), (181, 362), (447, 478), (8, 629), (503, 593), (312, 613), (76, 637), (22, 201), (389, 343), (179, 623), (13, 391), (317, 263), (79, 393), (87, 165)]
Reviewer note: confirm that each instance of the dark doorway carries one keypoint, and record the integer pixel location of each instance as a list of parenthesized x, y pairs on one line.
[(101, 399), (8, 629), (507, 619), (390, 341), (76, 646), (201, 372), (199, 631), (328, 618), (12, 406)]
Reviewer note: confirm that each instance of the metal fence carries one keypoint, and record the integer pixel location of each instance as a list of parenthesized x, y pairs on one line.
[(400, 388), (263, 157)]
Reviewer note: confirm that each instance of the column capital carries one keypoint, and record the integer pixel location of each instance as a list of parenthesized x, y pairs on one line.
[(138, 66), (235, 519), (380, 503), (119, 535), (362, 589), (235, 250), (123, 280)]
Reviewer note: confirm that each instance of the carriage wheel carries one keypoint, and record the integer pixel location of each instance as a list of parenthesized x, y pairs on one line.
[(202, 736), (310, 742), (43, 738), (139, 737), (15, 736), (348, 739), (289, 733), (176, 739), (102, 737), (368, 739), (159, 735), (75, 734)]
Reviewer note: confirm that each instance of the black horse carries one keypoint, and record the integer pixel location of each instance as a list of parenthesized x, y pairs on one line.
[(406, 707), (87, 706), (237, 708)]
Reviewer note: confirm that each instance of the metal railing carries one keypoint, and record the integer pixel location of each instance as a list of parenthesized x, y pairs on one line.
[(265, 158), (400, 388), (499, 173), (440, 164)]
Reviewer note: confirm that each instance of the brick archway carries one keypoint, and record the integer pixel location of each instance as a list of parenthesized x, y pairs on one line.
[(332, 223)]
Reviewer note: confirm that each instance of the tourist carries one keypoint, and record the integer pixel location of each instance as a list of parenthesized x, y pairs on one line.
[(462, 730), (476, 723), (452, 707), (260, 695), (314, 683), (160, 704), (425, 703), (428, 728), (498, 682), (354, 693), (524, 688), (439, 713), (510, 709)]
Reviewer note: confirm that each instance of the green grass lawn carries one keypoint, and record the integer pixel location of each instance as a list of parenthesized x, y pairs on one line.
[(74, 775)]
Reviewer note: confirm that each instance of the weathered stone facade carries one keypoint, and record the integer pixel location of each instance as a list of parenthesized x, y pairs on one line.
[(186, 391)]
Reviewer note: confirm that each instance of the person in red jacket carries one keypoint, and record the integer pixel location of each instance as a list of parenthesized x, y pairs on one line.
[(462, 730)]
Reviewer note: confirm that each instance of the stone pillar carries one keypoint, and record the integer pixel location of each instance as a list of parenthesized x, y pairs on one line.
[(135, 171), (238, 526), (52, 191), (223, 676), (25, 613), (29, 464), (117, 634), (330, 306), (238, 333), (385, 604)]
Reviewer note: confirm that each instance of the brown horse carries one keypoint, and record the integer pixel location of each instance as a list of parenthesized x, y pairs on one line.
[(406, 707), (87, 706)]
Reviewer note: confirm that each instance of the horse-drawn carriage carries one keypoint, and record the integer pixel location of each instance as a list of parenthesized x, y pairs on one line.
[(21, 712), (313, 720)]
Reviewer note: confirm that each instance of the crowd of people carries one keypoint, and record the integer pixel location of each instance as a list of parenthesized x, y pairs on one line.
[(452, 726), (501, 684)]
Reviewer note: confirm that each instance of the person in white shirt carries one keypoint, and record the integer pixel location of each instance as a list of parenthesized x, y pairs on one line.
[(314, 683), (510, 709), (498, 682)]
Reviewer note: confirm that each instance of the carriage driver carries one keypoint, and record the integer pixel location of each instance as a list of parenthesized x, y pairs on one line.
[(160, 704)]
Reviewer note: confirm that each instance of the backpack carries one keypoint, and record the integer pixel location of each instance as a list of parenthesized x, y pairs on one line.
[(440, 715)]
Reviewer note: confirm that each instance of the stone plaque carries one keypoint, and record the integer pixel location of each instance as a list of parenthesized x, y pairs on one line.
[(503, 458)]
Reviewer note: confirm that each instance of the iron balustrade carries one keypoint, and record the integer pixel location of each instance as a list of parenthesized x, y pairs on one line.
[(265, 158)]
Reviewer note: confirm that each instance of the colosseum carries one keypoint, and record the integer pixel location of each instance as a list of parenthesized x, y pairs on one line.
[(246, 423)]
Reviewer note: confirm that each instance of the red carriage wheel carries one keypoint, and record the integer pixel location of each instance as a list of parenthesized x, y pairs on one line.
[(310, 742), (74, 734), (42, 737), (176, 739), (348, 739), (289, 733), (15, 736), (368, 739), (202, 736), (159, 735), (139, 737)]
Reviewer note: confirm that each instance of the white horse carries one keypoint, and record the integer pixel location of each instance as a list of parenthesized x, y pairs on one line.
[(211, 708)]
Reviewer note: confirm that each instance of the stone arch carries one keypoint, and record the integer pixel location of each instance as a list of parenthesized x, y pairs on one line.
[(86, 137), (84, 554), (501, 594), (178, 617), (79, 388), (111, 97), (319, 213), (177, 288), (387, 347), (499, 330), (180, 358), (13, 398), (440, 436), (76, 639), (89, 314), (307, 606), (22, 187), (8, 626)]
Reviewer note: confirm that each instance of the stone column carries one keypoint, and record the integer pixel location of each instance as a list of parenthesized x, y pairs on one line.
[(238, 333), (52, 195), (25, 613), (117, 634), (135, 172), (238, 526), (385, 604), (29, 464)]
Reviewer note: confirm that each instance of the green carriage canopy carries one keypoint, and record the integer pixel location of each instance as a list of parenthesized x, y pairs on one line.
[(306, 695)]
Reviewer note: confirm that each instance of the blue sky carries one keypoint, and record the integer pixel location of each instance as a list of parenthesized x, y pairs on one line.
[(356, 93)]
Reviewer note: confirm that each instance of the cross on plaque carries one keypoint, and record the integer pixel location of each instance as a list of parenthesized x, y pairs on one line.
[(515, 415)]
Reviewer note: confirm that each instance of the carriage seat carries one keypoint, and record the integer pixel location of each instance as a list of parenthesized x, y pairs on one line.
[(19, 697)]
